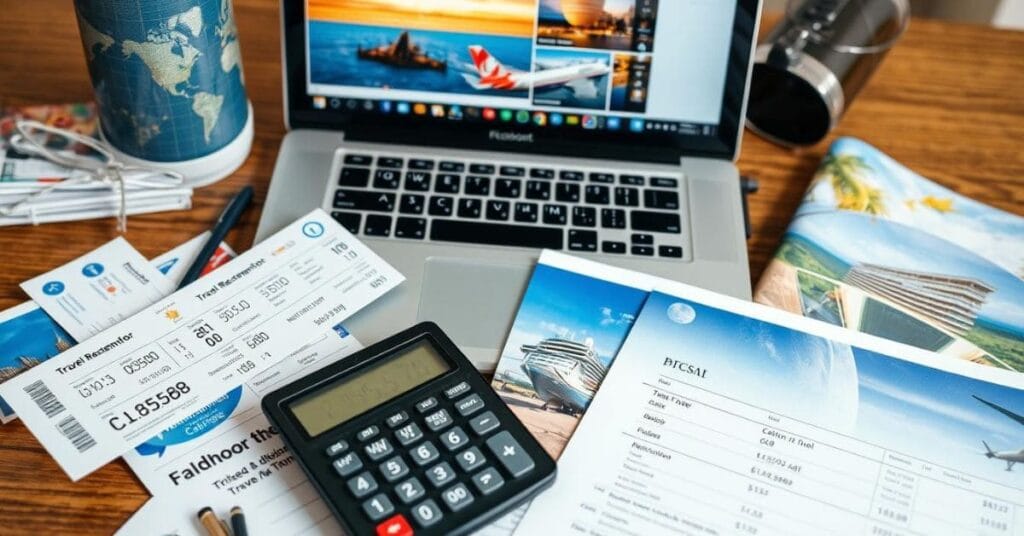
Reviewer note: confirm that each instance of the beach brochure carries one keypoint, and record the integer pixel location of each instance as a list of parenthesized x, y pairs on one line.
[(876, 248), (720, 416)]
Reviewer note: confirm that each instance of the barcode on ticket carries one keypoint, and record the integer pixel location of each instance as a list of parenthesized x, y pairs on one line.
[(72, 429), (44, 398)]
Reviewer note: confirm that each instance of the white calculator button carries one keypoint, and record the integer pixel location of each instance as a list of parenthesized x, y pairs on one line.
[(394, 468), (337, 448), (348, 464), (397, 419), (454, 439), (483, 423), (438, 420), (469, 405), (456, 390), (426, 405), (424, 453), (457, 497), (470, 459), (408, 434), (379, 449), (378, 506), (367, 433), (410, 490), (426, 513), (488, 480), (362, 484), (440, 474)]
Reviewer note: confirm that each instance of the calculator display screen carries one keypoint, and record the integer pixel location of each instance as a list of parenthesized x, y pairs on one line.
[(366, 389)]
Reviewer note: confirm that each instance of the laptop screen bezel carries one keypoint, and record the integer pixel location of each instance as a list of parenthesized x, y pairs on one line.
[(648, 147)]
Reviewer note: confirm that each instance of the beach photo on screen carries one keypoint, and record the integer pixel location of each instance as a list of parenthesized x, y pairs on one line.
[(603, 24), (571, 78), (430, 45)]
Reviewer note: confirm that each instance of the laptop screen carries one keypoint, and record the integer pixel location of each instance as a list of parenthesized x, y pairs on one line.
[(628, 70)]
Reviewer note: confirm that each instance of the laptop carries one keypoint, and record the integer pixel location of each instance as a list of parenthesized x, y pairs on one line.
[(459, 139)]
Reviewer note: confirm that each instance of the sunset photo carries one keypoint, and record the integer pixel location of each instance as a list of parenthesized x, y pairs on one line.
[(500, 17)]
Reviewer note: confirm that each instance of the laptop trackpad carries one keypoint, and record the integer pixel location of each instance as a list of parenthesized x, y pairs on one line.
[(474, 302)]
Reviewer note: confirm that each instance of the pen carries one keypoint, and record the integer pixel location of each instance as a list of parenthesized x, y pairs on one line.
[(238, 522), (213, 525), (228, 218)]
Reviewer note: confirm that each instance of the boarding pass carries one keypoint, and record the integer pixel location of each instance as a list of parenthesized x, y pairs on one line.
[(97, 400)]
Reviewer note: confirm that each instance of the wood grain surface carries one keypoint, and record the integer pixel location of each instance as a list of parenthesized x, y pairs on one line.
[(946, 102)]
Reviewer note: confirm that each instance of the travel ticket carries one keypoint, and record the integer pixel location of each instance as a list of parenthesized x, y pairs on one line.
[(97, 400)]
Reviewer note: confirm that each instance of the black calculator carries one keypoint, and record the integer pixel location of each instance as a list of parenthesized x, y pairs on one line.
[(406, 437)]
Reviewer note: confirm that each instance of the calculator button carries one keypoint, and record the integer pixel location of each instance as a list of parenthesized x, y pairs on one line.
[(394, 469), (367, 433), (511, 455), (397, 419), (470, 459), (469, 405), (424, 453), (454, 439), (378, 506), (456, 390), (457, 497), (424, 406), (410, 490), (408, 434), (483, 423), (379, 449), (348, 464), (337, 448), (440, 474), (362, 484), (438, 420), (488, 480), (427, 513), (394, 526)]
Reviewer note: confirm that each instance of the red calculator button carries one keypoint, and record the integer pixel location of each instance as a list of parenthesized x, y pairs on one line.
[(394, 526)]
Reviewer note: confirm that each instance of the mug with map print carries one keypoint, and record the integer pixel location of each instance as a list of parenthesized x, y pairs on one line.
[(169, 85)]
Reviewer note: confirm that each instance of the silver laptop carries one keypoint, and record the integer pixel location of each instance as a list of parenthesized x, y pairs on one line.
[(458, 144)]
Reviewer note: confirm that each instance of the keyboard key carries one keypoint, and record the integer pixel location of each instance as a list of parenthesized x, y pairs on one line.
[(367, 433), (613, 247), (377, 225), (454, 167), (378, 507), (478, 185), (457, 497), (632, 180), (671, 251), (510, 454), (379, 449), (627, 197), (337, 448), (424, 453), (662, 182), (584, 216), (447, 183), (456, 390), (512, 171), (440, 474), (658, 222), (362, 484), (348, 220), (348, 464), (425, 405), (496, 234), (567, 193), (526, 212), (661, 199), (582, 240), (386, 179), (508, 187), (420, 163), (470, 208), (613, 218), (417, 181), (354, 177), (488, 481), (441, 205), (358, 159), (556, 214), (411, 228), (469, 405), (483, 423), (570, 175), (438, 420), (481, 169), (427, 513), (410, 490), (363, 200), (389, 162), (396, 419), (596, 195), (408, 434), (643, 239), (602, 177), (538, 190), (394, 468), (498, 210), (470, 459), (646, 251), (454, 439), (542, 173), (412, 204), (395, 525)]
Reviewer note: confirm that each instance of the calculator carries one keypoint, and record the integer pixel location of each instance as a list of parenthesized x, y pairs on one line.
[(406, 437)]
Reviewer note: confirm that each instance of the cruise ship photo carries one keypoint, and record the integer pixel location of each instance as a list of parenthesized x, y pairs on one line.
[(565, 374)]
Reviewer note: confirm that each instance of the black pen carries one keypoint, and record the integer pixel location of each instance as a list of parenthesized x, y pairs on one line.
[(225, 222), (238, 522)]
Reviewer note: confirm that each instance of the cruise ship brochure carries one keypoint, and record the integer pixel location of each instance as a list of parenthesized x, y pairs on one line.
[(722, 416)]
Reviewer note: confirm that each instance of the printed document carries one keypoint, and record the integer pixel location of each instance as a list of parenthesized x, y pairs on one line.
[(726, 417), (101, 398)]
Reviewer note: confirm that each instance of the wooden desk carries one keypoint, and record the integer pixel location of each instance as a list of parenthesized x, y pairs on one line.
[(947, 102)]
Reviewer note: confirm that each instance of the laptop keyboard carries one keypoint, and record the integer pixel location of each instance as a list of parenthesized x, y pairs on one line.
[(509, 204)]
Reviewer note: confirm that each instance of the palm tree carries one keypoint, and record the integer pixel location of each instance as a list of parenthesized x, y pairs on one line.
[(844, 173)]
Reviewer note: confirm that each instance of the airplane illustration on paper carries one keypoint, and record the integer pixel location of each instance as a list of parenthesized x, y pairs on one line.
[(491, 74), (1009, 456)]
